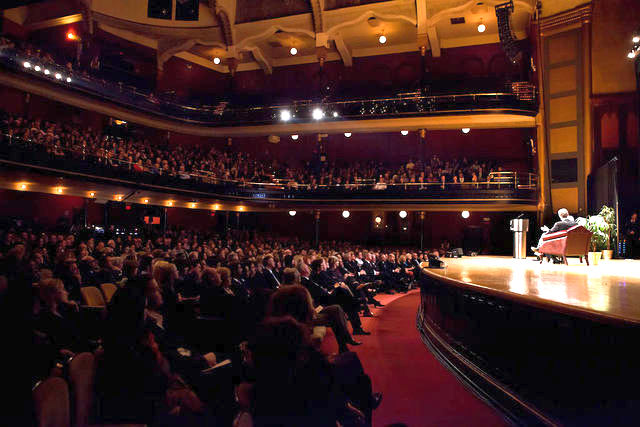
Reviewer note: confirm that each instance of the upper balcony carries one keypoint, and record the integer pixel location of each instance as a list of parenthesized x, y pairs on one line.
[(516, 106)]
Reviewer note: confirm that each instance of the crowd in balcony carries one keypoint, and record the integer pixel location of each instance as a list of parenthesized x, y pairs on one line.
[(212, 165), (153, 337)]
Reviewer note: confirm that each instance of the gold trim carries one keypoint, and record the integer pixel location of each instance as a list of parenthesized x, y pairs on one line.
[(577, 16)]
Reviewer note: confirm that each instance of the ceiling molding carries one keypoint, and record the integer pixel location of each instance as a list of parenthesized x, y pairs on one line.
[(577, 16), (242, 45), (434, 41), (371, 14), (343, 50), (261, 59)]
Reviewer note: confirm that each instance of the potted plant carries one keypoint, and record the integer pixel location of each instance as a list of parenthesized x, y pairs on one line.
[(609, 217), (599, 227)]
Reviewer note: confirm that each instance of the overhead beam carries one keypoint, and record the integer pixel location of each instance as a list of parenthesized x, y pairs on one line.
[(261, 59), (343, 50), (54, 22), (421, 17), (434, 41)]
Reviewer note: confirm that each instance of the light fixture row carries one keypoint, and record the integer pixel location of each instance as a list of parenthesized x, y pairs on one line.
[(403, 132), (38, 68)]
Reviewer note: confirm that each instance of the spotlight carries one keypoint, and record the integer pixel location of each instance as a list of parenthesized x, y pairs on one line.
[(145, 201), (345, 214), (68, 79), (404, 132), (378, 220), (382, 39), (216, 60), (27, 64), (465, 214), (58, 76), (403, 214), (285, 115), (636, 39), (37, 68), (482, 28), (293, 51), (46, 72), (317, 114), (335, 114), (292, 213), (294, 137), (347, 134), (466, 130)]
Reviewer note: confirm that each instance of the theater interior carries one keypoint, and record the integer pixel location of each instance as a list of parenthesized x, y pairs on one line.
[(320, 212)]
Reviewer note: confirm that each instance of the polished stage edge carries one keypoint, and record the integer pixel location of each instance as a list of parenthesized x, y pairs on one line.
[(610, 290)]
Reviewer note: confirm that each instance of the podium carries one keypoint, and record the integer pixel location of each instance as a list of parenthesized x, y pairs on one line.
[(519, 227)]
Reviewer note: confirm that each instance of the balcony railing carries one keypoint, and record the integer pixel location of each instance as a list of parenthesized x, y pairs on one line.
[(520, 99), (53, 159)]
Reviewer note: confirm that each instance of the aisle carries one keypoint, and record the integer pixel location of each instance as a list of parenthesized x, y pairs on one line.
[(418, 390)]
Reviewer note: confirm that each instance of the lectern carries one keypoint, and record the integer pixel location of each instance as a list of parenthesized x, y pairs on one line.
[(519, 227)]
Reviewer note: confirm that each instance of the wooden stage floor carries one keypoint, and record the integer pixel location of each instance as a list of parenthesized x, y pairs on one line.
[(611, 288)]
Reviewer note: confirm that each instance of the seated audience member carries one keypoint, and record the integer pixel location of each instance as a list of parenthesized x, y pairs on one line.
[(295, 385), (271, 280), (294, 300), (59, 319)]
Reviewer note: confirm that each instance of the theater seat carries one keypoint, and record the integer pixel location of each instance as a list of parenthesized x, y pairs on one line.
[(108, 289), (51, 403), (82, 371), (92, 297)]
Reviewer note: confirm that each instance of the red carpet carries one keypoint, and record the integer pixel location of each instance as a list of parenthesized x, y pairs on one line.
[(418, 390)]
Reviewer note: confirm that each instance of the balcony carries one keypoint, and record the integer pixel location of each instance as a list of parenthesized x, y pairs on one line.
[(505, 188)]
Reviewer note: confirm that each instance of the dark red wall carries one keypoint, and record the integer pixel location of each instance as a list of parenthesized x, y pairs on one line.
[(46, 209)]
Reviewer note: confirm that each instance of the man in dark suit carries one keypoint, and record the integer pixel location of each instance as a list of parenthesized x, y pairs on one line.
[(565, 223), (271, 280)]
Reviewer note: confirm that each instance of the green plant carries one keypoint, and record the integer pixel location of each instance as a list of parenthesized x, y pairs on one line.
[(603, 227)]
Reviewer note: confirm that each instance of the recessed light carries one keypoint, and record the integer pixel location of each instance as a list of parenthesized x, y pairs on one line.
[(285, 115), (404, 132), (68, 79), (482, 28), (347, 134), (293, 51), (465, 214), (216, 60), (292, 213), (27, 64), (403, 214), (346, 214), (466, 130), (146, 201), (58, 76), (317, 114), (335, 114), (47, 72), (636, 39), (382, 39), (23, 186), (294, 137), (37, 68)]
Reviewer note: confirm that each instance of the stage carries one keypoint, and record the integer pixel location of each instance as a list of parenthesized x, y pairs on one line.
[(611, 289)]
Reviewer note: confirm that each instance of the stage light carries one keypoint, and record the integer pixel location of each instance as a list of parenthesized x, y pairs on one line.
[(482, 28), (145, 201), (27, 64), (68, 79), (403, 214), (378, 220), (294, 137), (216, 60), (293, 51), (317, 114), (346, 214), (46, 72), (404, 132), (71, 35), (169, 203), (285, 115), (59, 190), (465, 214), (335, 114), (37, 68), (636, 39), (58, 76), (92, 194), (466, 130), (382, 39), (292, 213)]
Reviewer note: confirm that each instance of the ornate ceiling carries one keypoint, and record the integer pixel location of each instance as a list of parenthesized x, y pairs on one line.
[(254, 34)]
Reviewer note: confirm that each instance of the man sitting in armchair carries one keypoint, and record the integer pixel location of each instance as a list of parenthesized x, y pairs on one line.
[(565, 223)]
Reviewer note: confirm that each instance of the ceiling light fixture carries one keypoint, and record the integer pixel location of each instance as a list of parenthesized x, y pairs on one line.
[(294, 137), (27, 64), (92, 194), (335, 114), (347, 134), (482, 28), (346, 214), (317, 114), (68, 79), (216, 60), (404, 132), (58, 76), (378, 220), (293, 51), (37, 68), (636, 39), (285, 115), (631, 55), (466, 130), (292, 213), (382, 39), (465, 214), (146, 201), (169, 203), (403, 214), (71, 35), (23, 186), (59, 190), (46, 72)]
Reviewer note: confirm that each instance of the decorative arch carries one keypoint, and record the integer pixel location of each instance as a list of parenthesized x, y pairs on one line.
[(370, 14), (243, 44), (528, 5)]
